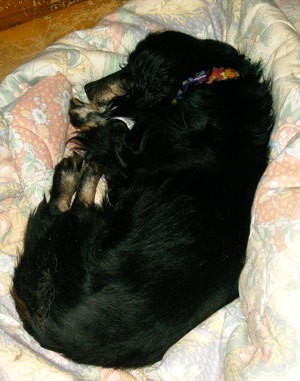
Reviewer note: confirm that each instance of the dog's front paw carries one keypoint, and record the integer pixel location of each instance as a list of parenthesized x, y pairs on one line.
[(85, 115), (66, 179)]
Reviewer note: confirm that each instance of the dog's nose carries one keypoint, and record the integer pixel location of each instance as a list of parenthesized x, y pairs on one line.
[(89, 87)]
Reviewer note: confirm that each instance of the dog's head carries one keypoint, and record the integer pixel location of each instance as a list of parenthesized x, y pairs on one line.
[(152, 74), (155, 71)]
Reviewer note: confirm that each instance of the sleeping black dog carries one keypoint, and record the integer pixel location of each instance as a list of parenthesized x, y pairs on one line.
[(117, 284)]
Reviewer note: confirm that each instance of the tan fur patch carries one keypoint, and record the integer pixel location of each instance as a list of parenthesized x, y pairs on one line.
[(106, 94), (20, 305), (88, 184)]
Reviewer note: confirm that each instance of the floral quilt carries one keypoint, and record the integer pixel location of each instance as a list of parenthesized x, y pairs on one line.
[(256, 337)]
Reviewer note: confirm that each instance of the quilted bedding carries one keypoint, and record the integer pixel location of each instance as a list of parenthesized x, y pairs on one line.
[(256, 337)]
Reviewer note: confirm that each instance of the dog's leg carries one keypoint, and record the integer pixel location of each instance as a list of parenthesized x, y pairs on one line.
[(108, 146), (51, 249), (85, 195), (73, 176), (65, 181)]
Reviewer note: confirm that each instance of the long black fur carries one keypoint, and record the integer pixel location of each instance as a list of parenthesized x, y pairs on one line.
[(117, 285)]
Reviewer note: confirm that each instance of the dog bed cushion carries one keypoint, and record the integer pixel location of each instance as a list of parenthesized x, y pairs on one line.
[(256, 337)]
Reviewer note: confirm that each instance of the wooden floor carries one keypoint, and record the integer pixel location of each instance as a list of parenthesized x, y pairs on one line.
[(23, 42)]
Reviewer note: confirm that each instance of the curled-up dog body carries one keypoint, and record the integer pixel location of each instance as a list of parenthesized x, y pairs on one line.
[(117, 284)]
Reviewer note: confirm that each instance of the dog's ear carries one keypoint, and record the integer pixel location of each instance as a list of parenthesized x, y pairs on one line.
[(102, 91)]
